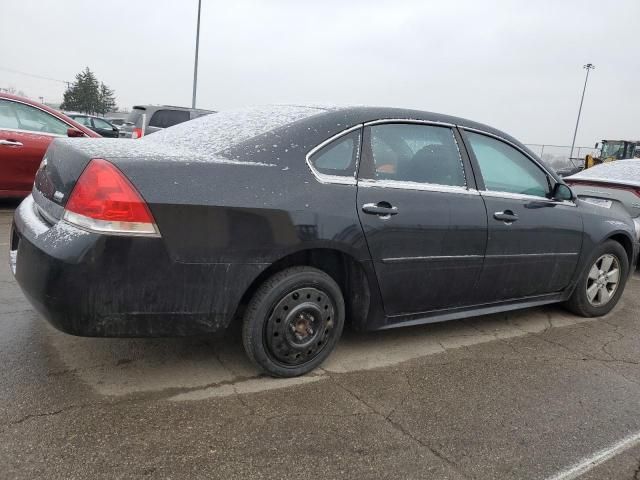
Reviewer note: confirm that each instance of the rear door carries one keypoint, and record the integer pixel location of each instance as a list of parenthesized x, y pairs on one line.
[(534, 242), (25, 134), (424, 221)]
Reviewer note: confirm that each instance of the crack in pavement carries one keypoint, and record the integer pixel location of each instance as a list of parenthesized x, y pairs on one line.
[(45, 414), (399, 428)]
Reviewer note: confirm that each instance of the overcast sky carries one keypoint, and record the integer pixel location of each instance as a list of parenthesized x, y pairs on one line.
[(516, 65)]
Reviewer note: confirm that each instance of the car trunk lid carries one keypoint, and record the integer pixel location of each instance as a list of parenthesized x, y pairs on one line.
[(66, 159)]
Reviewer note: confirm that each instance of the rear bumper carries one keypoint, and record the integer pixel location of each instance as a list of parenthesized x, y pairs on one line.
[(97, 285)]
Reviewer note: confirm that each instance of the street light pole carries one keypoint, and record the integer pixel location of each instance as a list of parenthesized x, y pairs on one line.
[(588, 67), (195, 66)]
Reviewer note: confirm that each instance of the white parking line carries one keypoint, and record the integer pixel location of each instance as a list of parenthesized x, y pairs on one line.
[(597, 458)]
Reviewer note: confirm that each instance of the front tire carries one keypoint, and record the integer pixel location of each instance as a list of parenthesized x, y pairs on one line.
[(601, 284), (293, 321)]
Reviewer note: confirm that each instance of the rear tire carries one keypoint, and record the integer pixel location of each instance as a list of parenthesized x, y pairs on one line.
[(293, 321), (596, 293)]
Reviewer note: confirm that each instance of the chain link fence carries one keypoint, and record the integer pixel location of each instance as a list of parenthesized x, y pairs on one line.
[(557, 156)]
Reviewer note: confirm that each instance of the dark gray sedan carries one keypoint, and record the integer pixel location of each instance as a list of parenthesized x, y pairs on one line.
[(295, 220)]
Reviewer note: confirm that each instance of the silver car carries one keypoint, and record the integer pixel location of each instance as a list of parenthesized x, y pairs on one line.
[(146, 119), (609, 183)]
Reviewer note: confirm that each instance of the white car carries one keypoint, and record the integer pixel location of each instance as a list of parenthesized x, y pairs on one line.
[(604, 184)]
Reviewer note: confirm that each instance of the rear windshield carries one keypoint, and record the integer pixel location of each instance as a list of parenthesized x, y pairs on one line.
[(135, 117), (168, 118), (219, 131)]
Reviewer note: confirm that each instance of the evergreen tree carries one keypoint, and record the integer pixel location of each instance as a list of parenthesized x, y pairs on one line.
[(87, 95), (107, 99)]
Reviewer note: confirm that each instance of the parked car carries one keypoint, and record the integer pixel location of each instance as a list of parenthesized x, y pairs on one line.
[(298, 219), (26, 130), (99, 125), (146, 119), (610, 183)]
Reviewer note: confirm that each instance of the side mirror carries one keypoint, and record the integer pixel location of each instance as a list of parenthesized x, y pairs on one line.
[(72, 132), (562, 192), (597, 145)]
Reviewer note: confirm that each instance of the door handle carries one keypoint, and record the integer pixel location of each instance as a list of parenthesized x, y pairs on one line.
[(11, 143), (384, 209), (507, 216)]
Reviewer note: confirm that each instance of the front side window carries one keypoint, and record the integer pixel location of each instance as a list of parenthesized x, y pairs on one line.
[(168, 118), (505, 169), (412, 153), (35, 120), (338, 157)]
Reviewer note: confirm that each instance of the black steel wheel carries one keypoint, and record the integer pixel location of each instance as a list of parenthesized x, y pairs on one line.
[(293, 321)]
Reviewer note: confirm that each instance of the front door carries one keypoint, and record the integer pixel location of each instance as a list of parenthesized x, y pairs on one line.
[(25, 134), (424, 221), (534, 242), (104, 128)]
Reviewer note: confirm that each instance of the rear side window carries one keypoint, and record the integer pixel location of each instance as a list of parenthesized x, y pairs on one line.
[(197, 114), (412, 153), (168, 118), (505, 169), (338, 157), (8, 117), (82, 120)]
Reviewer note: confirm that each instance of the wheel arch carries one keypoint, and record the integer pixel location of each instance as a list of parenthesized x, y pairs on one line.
[(626, 242), (350, 274)]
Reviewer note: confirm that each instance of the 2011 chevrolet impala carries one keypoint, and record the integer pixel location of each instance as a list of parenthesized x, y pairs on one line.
[(298, 219)]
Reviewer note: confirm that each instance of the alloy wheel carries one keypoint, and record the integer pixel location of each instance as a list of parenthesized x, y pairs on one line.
[(603, 280)]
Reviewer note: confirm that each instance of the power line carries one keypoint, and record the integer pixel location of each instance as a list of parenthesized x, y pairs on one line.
[(34, 75)]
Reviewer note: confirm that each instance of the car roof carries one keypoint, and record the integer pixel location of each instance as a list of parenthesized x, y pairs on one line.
[(372, 113), (171, 107), (364, 114)]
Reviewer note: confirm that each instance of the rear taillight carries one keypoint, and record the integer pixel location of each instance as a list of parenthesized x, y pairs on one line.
[(137, 133), (104, 200)]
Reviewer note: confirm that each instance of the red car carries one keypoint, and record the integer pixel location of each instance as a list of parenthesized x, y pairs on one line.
[(26, 130)]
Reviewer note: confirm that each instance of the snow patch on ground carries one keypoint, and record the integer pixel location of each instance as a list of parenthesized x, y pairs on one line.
[(13, 259)]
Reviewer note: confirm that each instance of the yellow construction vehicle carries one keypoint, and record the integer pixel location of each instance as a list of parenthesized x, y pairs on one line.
[(614, 150)]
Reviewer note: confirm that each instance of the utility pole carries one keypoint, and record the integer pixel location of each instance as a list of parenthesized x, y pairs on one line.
[(587, 67), (195, 66)]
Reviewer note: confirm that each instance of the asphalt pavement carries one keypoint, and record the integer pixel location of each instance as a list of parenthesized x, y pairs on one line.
[(536, 394)]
